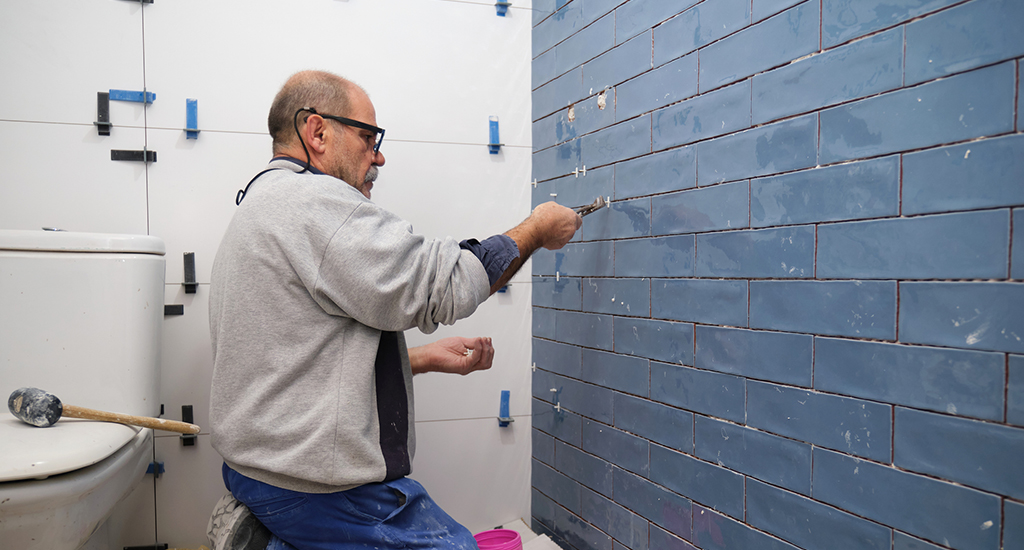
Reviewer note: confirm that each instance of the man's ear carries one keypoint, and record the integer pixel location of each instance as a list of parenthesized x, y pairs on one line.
[(313, 132)]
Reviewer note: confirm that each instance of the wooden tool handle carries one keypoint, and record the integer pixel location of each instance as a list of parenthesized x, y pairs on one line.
[(72, 411)]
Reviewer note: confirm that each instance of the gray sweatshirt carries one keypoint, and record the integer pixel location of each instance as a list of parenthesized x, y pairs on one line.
[(308, 275)]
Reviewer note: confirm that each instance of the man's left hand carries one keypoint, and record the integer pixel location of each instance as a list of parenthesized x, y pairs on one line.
[(455, 355)]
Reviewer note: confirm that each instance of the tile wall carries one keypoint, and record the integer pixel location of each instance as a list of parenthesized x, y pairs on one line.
[(799, 324)]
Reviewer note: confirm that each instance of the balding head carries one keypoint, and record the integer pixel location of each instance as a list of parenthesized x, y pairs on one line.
[(321, 90)]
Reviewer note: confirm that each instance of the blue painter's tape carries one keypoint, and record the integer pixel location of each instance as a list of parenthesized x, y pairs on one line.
[(504, 419), (495, 144), (130, 95), (191, 119)]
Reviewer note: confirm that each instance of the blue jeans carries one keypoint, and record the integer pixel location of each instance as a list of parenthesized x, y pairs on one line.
[(393, 514)]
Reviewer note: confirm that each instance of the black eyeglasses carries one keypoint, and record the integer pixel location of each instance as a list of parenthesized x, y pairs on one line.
[(378, 132)]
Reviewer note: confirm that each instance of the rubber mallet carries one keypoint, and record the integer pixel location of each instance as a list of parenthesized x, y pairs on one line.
[(38, 408)]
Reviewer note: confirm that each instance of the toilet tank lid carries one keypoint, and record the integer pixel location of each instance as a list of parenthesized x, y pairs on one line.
[(70, 241)]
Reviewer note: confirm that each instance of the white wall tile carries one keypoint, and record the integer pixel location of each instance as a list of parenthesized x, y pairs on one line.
[(187, 491), (192, 191), (58, 54), (477, 472), (435, 70), (61, 175)]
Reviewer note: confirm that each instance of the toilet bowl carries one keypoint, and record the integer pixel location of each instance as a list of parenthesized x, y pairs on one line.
[(80, 317)]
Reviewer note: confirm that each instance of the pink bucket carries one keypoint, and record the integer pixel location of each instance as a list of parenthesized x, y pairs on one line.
[(499, 539)]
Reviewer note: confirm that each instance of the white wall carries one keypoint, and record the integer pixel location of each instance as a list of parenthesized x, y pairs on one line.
[(435, 69)]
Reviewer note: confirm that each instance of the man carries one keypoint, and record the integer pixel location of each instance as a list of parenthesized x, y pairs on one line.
[(312, 286)]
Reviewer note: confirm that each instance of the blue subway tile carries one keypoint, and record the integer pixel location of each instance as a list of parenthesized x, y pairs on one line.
[(710, 485), (585, 45), (977, 33), (1013, 524), (556, 486), (986, 316), (966, 383), (587, 400), (587, 116), (663, 540), (542, 9), (658, 257), (970, 105), (544, 322), (660, 340), (781, 253), (543, 447), (712, 531), (568, 526), (761, 9), (843, 20), (585, 468), (618, 65), (973, 453), (901, 541), (620, 220), (768, 457), (712, 302), (589, 259), (709, 393), (968, 245), (620, 142), (665, 425), (661, 507), (574, 190), (867, 189), (1015, 390), (618, 447), (558, 358), (655, 89), (864, 68), (633, 18), (565, 293), (810, 524), (618, 296), (849, 425), (706, 116), (714, 208), (566, 21), (595, 9), (980, 174), (777, 41), (619, 372), (668, 171), (780, 147), (774, 356), (584, 329), (542, 70), (542, 511), (558, 93), (560, 424), (698, 26), (615, 520), (836, 308), (931, 509), (556, 161)]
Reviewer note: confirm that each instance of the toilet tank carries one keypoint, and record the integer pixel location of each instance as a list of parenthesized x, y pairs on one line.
[(81, 316)]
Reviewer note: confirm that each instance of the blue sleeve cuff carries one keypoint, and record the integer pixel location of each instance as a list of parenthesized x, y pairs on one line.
[(495, 253)]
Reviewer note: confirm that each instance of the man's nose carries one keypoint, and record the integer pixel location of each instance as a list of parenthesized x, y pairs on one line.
[(378, 158)]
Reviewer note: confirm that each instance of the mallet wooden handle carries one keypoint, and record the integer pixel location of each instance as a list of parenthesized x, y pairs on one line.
[(71, 411)]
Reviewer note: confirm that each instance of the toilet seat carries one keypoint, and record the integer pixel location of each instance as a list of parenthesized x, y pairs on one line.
[(62, 511), (68, 445)]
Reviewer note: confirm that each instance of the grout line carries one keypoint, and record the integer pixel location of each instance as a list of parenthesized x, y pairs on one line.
[(145, 117)]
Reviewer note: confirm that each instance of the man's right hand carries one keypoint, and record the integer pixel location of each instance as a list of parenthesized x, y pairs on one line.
[(553, 225)]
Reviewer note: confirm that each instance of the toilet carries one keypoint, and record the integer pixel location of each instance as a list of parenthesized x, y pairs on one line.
[(80, 317)]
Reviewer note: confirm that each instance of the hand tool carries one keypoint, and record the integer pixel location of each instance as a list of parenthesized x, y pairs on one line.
[(38, 408), (598, 204)]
